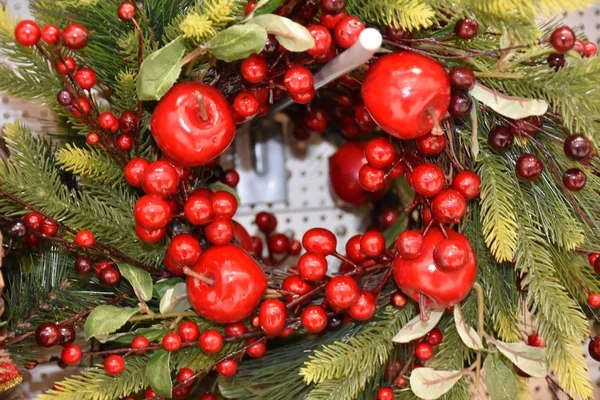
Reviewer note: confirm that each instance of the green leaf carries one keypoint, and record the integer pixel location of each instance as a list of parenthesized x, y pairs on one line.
[(106, 319), (140, 280), (160, 287), (466, 333), (160, 70), (499, 379), (531, 360), (416, 328), (174, 299), (291, 35), (511, 107), (158, 373), (237, 42), (221, 186), (266, 6), (429, 384)]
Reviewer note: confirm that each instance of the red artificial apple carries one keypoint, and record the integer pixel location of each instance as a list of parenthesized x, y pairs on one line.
[(344, 167), (241, 235), (407, 94), (192, 124), (239, 284), (422, 276)]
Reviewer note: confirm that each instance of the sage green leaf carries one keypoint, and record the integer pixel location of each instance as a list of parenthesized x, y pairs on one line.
[(158, 373), (430, 384), (499, 379), (160, 287), (531, 360), (466, 333), (511, 107), (160, 70), (104, 320), (140, 280), (237, 42), (174, 299), (291, 35), (417, 328)]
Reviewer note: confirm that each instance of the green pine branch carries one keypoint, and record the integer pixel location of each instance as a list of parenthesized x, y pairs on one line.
[(91, 164)]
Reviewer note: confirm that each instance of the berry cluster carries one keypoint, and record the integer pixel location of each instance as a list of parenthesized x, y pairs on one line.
[(563, 40)]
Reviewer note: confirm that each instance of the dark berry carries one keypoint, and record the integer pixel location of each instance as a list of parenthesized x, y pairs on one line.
[(529, 126), (83, 265), (556, 61), (574, 179), (64, 98), (128, 122), (109, 276), (577, 147), (529, 167), (460, 104), (333, 6), (48, 335), (396, 34), (17, 229), (462, 78), (466, 28), (500, 138), (563, 39)]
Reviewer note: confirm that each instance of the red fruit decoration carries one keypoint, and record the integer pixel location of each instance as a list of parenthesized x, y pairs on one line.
[(448, 206), (211, 341), (114, 365), (319, 240), (341, 292), (227, 368), (423, 280), (239, 284), (364, 308), (427, 179), (75, 36), (152, 212), (171, 342), (407, 94), (314, 319), (424, 351), (27, 33), (140, 342), (51, 34), (312, 266), (272, 315), (184, 250), (192, 124), (594, 348), (71, 354), (160, 179)]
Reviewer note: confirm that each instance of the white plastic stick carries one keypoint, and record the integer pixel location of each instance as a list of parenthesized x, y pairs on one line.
[(367, 44)]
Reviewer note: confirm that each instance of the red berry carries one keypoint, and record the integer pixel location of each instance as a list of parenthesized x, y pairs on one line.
[(590, 49), (466, 28), (211, 341), (235, 329), (427, 179), (51, 34), (594, 300), (74, 36), (108, 121), (380, 153), (127, 11), (272, 316), (49, 227), (398, 300), (363, 118), (257, 350), (467, 183), (322, 39), (314, 319), (371, 179), (294, 247), (298, 80), (278, 243), (183, 375), (84, 238), (385, 393), (114, 365), (83, 265), (529, 167), (462, 78), (500, 138), (92, 138), (198, 209), (388, 217), (296, 285), (250, 6), (435, 337), (254, 68), (341, 292), (354, 250), (331, 20), (364, 308), (563, 39), (535, 340), (219, 231), (372, 244), (423, 351), (448, 206), (125, 142), (34, 221), (333, 6), (460, 104), (266, 222), (577, 147), (69, 65), (171, 342), (140, 342), (86, 78), (152, 212), (246, 104), (227, 368), (224, 204), (594, 348), (257, 245), (134, 171), (574, 179), (188, 331), (315, 119), (80, 107), (319, 240), (160, 179), (27, 33), (31, 240), (150, 235), (450, 255), (410, 244), (48, 334), (71, 354), (303, 98), (128, 122), (312, 266), (184, 249), (109, 276), (347, 31), (593, 257)]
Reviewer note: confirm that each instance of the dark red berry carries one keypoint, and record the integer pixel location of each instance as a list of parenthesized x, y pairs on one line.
[(529, 167), (48, 335), (231, 178), (266, 222), (460, 104), (27, 32), (315, 119), (388, 217), (435, 337), (577, 147), (127, 11), (431, 145), (64, 98), (563, 39), (83, 265), (594, 348), (574, 179), (462, 78), (128, 122), (396, 34), (556, 61), (333, 6), (278, 243), (347, 31), (109, 276), (529, 126), (75, 36), (294, 247), (466, 28), (500, 138)]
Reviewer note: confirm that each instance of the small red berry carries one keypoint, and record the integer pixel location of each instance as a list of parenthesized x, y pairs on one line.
[(125, 142), (272, 316), (364, 308), (108, 121), (462, 78), (466, 29), (363, 118), (385, 393), (224, 204), (86, 78), (372, 243), (127, 11), (150, 235), (171, 342), (84, 238), (315, 119), (47, 334), (211, 341), (51, 34), (347, 31), (183, 375), (594, 300), (250, 7), (109, 276), (188, 331), (535, 340), (388, 217), (450, 255), (435, 337), (278, 243), (160, 179), (92, 138), (257, 350), (140, 342), (152, 212), (398, 300), (236, 329), (34, 221), (319, 240), (467, 183), (27, 32), (114, 365), (128, 122), (590, 49), (371, 179), (296, 285), (254, 68), (246, 104), (312, 266), (227, 368), (219, 231), (198, 209), (529, 167), (75, 36), (49, 227), (331, 20), (71, 354), (574, 179), (423, 351), (563, 39), (380, 153), (67, 66), (341, 292), (314, 319), (431, 145), (294, 247), (83, 265), (322, 39), (303, 98), (298, 80), (266, 222), (448, 206), (427, 179), (409, 244), (184, 249)]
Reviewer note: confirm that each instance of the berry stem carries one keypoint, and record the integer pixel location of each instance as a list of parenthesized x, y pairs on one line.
[(200, 100), (437, 129), (190, 272), (140, 36), (423, 308), (191, 56)]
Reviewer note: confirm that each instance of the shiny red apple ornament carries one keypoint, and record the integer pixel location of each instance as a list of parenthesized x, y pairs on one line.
[(239, 284), (406, 93), (421, 276), (187, 133)]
